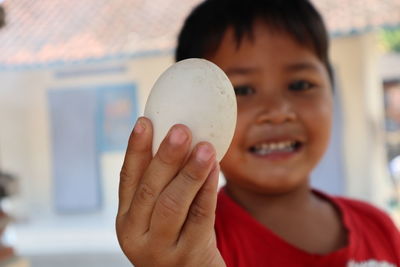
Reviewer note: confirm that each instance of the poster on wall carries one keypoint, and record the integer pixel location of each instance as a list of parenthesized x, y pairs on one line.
[(86, 122), (116, 114)]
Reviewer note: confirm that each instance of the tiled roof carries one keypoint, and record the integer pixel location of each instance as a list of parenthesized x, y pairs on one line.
[(46, 31), (348, 16)]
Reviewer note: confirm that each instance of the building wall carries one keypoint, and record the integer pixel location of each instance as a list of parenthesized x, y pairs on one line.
[(25, 151), (356, 61), (25, 143)]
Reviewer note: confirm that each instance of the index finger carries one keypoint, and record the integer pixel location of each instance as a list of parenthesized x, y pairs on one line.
[(137, 157)]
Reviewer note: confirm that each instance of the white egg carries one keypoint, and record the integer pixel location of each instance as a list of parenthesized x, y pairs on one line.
[(197, 93)]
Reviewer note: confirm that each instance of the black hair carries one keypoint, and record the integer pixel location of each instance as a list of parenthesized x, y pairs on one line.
[(204, 28), (2, 16)]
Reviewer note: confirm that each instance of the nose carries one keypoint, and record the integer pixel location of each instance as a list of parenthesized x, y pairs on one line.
[(275, 109)]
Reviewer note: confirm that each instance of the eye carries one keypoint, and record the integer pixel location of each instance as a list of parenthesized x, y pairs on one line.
[(300, 85), (243, 90)]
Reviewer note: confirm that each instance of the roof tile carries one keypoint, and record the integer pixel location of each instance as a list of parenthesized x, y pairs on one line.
[(40, 32)]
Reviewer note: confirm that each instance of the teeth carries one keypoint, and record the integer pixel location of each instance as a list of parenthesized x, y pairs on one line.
[(267, 148)]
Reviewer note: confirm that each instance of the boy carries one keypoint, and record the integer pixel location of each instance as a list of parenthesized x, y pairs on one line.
[(276, 55)]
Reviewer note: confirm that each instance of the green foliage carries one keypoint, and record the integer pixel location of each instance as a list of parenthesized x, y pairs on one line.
[(391, 39)]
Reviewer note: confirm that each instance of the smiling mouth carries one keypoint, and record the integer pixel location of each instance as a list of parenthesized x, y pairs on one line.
[(269, 148)]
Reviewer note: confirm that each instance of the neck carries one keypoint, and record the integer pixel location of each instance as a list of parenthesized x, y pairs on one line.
[(266, 206), (299, 217)]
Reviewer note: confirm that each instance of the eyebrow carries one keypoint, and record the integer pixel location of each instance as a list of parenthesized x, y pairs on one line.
[(301, 66), (293, 67), (240, 70)]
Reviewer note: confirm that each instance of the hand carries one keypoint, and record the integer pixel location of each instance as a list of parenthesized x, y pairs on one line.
[(167, 203)]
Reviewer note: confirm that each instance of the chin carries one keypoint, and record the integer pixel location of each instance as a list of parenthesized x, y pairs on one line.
[(271, 185)]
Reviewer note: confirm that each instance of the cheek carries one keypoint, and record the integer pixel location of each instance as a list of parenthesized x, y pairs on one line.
[(242, 124), (235, 151), (319, 121)]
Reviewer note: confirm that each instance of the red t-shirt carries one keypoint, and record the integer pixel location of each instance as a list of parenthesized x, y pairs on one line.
[(374, 240)]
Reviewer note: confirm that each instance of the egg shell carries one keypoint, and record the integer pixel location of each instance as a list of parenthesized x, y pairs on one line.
[(197, 93)]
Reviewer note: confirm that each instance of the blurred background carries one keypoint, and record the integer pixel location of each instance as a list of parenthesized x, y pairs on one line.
[(75, 75)]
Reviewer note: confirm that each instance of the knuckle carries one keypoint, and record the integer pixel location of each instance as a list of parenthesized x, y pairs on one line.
[(190, 176), (168, 154), (198, 213), (165, 157), (141, 147), (170, 205), (145, 193), (123, 173), (124, 176), (138, 144)]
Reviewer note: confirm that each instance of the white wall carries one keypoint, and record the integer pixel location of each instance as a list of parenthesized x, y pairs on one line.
[(25, 150), (356, 61)]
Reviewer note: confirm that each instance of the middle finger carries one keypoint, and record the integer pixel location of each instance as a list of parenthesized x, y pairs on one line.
[(162, 169)]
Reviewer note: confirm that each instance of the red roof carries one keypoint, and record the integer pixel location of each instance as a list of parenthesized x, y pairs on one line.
[(348, 16), (40, 32)]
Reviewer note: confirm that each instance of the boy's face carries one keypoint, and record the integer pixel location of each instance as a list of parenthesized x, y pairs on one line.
[(284, 111)]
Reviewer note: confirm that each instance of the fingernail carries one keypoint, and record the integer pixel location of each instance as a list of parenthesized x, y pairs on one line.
[(177, 137), (139, 127), (204, 153)]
